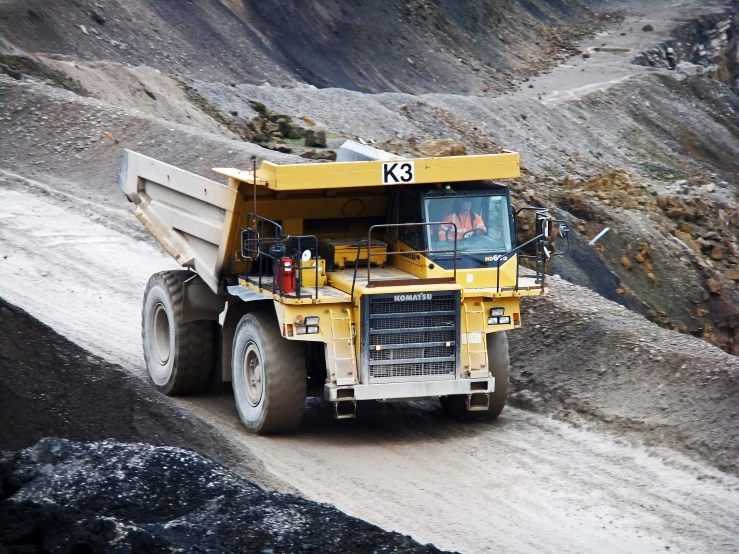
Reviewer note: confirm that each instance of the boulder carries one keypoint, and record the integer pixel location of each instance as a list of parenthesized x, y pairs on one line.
[(295, 132), (718, 252), (14, 73), (277, 147), (647, 28), (442, 148), (98, 17), (714, 286), (329, 155), (315, 138), (688, 240)]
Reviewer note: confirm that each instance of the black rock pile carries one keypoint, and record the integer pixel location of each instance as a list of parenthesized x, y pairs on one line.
[(64, 496)]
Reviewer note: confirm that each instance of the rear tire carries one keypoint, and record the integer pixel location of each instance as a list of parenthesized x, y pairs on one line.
[(269, 376), (499, 364), (179, 356)]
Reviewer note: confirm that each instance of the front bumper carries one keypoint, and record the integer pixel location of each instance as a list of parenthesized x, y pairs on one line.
[(408, 390)]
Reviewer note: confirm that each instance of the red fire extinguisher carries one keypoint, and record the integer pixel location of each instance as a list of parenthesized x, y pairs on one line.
[(286, 275)]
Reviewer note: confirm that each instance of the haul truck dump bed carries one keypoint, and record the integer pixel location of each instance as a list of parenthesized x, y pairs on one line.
[(379, 279)]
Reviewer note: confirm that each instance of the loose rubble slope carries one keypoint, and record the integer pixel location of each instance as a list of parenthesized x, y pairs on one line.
[(404, 46), (594, 363)]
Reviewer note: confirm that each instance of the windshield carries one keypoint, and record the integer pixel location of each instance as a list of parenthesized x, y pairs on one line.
[(482, 223)]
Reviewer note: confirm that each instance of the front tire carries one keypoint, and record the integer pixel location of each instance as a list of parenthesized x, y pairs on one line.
[(499, 364), (179, 356), (269, 376)]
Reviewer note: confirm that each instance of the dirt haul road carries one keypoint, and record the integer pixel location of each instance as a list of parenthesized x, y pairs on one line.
[(525, 483)]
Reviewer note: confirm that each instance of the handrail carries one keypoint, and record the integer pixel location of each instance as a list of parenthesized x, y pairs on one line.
[(397, 226), (356, 264), (542, 256), (504, 258), (259, 242)]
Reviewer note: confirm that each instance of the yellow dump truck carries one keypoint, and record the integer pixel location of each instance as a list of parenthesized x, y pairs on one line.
[(371, 278)]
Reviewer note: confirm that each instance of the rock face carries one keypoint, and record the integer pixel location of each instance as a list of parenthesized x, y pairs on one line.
[(64, 496), (705, 46)]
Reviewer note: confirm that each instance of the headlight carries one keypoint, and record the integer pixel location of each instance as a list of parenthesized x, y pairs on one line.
[(504, 320), (312, 320), (497, 311)]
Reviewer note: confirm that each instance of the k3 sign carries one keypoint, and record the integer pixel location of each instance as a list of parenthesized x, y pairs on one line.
[(394, 173)]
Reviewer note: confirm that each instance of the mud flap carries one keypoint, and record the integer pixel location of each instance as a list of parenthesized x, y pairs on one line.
[(200, 302)]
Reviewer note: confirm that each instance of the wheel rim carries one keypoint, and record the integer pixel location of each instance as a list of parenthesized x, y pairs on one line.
[(253, 374), (161, 334)]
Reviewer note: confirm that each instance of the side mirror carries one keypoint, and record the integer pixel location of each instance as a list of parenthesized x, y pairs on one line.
[(564, 230)]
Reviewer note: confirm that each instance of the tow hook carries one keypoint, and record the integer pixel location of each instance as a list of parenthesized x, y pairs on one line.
[(345, 410)]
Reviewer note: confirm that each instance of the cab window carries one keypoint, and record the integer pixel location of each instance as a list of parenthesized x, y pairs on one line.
[(409, 211)]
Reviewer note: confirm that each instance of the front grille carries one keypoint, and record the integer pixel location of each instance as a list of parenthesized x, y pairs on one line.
[(411, 336)]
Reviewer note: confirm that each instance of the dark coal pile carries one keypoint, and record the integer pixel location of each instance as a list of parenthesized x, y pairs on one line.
[(64, 496)]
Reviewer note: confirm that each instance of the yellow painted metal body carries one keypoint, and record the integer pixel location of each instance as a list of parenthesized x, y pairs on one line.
[(297, 177), (339, 201), (344, 252), (308, 273)]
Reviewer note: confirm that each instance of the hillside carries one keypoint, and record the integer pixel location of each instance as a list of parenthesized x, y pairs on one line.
[(466, 47)]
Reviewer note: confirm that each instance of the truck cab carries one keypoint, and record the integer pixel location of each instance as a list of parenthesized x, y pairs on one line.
[(377, 278)]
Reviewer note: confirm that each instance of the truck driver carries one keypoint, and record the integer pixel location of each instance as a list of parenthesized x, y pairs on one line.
[(468, 222)]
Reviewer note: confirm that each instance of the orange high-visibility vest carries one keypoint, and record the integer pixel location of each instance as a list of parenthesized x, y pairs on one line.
[(464, 225)]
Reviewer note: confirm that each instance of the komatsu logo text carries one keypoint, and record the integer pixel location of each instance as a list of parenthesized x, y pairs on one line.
[(410, 297)]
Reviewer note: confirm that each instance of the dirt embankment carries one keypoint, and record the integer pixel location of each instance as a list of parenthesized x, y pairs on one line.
[(592, 362), (416, 46)]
